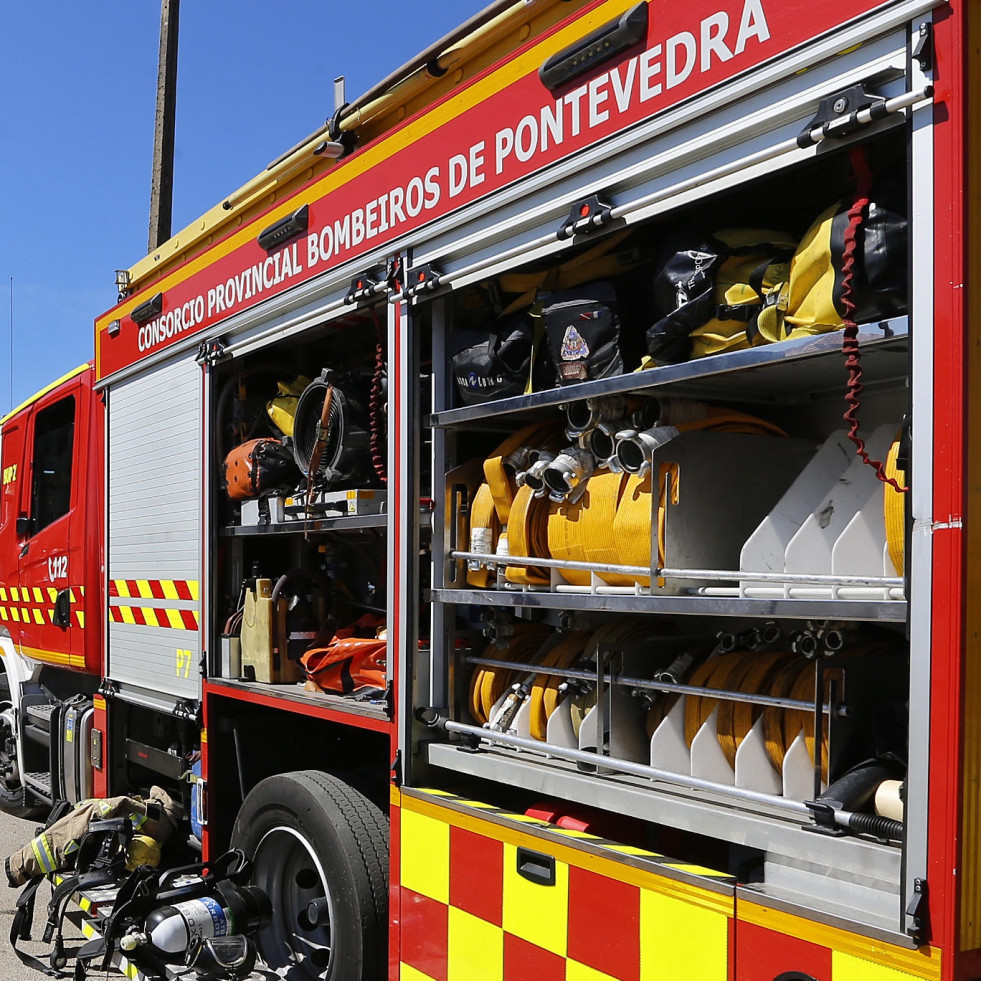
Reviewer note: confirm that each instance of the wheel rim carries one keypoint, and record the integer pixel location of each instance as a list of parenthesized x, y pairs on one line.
[(287, 868)]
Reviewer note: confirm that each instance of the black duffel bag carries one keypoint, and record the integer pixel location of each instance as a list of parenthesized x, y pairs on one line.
[(493, 361), (582, 330)]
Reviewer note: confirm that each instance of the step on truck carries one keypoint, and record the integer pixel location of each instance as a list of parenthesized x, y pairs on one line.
[(532, 519)]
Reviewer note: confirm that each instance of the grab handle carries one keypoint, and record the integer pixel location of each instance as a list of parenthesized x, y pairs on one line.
[(536, 867)]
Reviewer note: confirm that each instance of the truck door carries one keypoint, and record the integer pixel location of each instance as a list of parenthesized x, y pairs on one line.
[(48, 543), (12, 476), (154, 534)]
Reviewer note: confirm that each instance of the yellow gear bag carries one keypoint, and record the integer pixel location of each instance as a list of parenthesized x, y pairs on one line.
[(282, 409), (809, 300), (758, 261)]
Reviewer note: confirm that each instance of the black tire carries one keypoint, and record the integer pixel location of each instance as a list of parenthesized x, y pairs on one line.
[(288, 825)]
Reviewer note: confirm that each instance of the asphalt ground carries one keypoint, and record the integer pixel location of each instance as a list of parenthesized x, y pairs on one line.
[(14, 834)]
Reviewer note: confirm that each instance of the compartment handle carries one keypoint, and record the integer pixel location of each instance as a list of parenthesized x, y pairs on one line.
[(536, 867)]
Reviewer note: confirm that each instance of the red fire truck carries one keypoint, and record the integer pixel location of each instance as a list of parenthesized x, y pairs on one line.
[(549, 583)]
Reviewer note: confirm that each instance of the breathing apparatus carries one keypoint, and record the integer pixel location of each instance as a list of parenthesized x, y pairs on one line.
[(201, 917)]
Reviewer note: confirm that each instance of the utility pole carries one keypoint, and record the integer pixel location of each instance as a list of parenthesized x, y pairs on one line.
[(162, 180)]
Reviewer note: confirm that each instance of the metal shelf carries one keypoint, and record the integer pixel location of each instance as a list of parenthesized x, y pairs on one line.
[(798, 371), (373, 714), (354, 522), (893, 611)]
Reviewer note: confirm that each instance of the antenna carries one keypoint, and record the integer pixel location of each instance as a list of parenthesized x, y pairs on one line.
[(11, 391)]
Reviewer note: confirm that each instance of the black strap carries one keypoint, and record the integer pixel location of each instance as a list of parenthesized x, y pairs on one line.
[(758, 274), (20, 928), (743, 312)]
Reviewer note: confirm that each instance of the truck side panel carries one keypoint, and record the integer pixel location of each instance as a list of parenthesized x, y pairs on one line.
[(154, 533)]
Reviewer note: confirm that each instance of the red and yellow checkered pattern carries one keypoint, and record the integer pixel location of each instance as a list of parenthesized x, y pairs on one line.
[(144, 615), (609, 911), (36, 604), (595, 910)]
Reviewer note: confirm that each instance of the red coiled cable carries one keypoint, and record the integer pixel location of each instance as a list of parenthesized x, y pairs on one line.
[(849, 341), (375, 407)]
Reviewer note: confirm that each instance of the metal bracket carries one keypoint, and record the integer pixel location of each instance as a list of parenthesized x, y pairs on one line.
[(108, 688), (923, 46), (837, 115), (916, 910), (210, 353), (423, 279), (187, 709), (824, 819), (585, 216), (395, 770), (369, 285)]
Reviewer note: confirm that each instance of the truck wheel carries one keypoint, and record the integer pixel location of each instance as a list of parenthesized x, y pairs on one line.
[(320, 851), (13, 795)]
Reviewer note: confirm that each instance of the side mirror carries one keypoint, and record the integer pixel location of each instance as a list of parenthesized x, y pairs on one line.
[(23, 526)]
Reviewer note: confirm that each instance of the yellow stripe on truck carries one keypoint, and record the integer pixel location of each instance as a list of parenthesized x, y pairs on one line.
[(425, 856), (681, 939), (534, 912)]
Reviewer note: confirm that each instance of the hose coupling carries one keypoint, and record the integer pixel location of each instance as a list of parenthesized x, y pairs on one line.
[(586, 414), (566, 476), (635, 450), (532, 476)]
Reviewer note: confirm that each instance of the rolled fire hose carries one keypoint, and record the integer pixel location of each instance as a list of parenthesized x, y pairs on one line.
[(612, 635), (796, 719), (488, 684), (783, 684), (736, 718), (894, 509), (775, 673), (563, 655), (580, 531), (485, 529), (528, 535), (721, 671), (499, 467), (491, 507)]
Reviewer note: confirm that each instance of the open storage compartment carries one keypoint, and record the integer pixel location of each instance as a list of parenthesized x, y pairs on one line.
[(674, 590), (301, 507)]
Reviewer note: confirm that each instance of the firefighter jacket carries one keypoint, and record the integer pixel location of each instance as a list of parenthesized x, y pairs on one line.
[(55, 847)]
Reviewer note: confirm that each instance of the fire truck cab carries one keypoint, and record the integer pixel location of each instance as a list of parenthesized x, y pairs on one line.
[(50, 574)]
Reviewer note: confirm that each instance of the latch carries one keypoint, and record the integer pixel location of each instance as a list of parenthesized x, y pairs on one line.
[(375, 281), (423, 279), (210, 353), (916, 910), (923, 46), (108, 688), (838, 115), (585, 216), (187, 709)]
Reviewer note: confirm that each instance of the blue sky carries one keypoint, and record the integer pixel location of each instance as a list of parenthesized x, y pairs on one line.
[(78, 84)]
